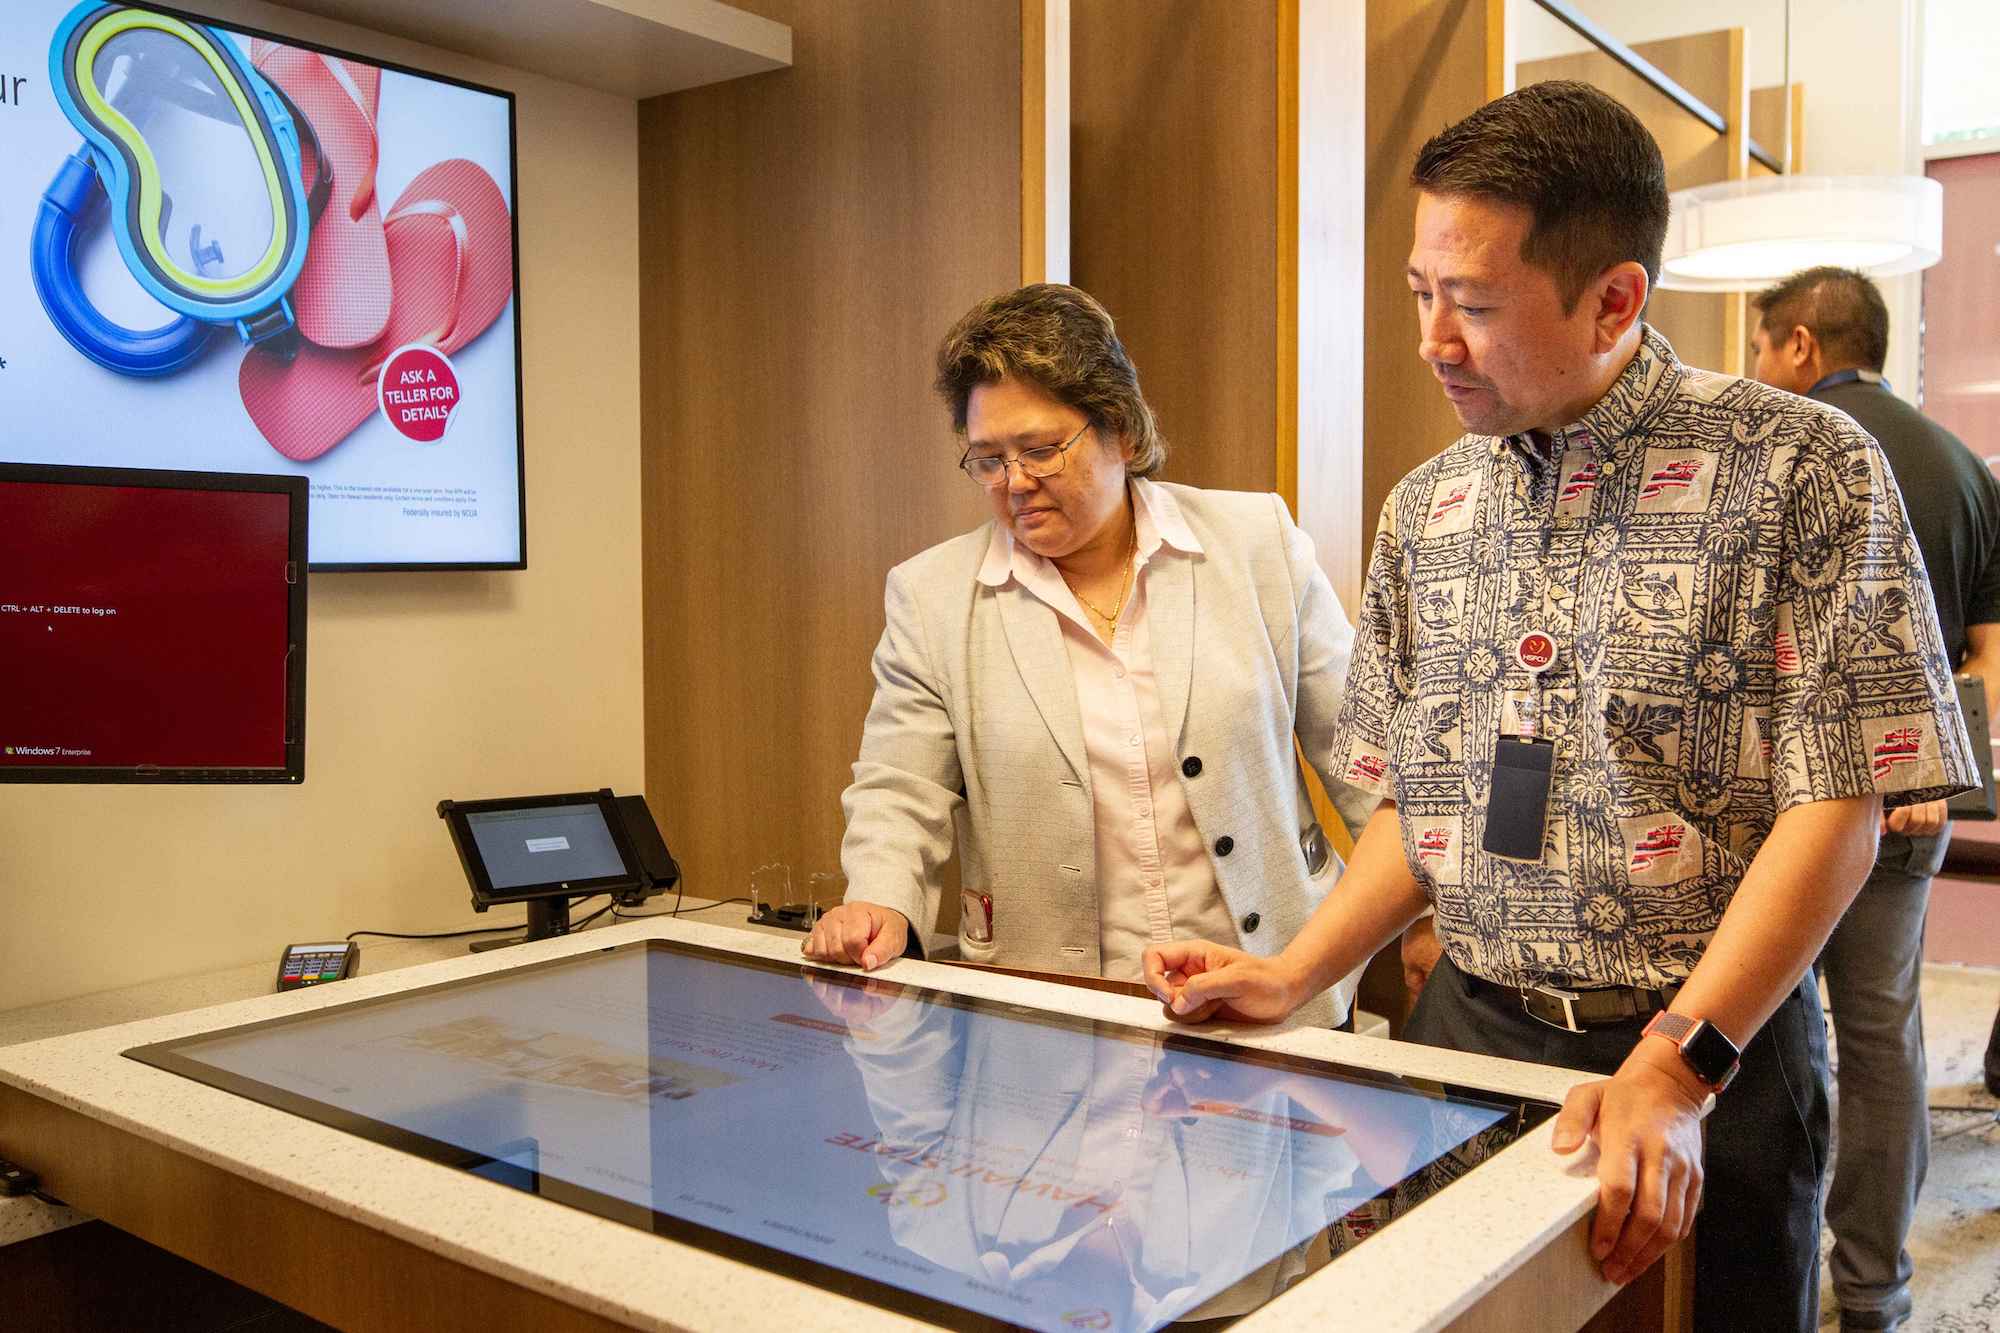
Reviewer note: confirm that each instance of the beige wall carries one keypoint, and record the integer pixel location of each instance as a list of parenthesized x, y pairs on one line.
[(420, 686)]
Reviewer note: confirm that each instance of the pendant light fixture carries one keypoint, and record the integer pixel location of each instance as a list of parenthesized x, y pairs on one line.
[(1745, 235)]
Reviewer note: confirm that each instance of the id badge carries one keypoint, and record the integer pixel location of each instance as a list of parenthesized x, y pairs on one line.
[(1517, 813)]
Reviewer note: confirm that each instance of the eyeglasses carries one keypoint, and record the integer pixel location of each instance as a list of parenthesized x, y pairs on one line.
[(1044, 460)]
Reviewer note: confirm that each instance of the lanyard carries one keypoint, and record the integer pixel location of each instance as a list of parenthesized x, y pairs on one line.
[(1534, 649)]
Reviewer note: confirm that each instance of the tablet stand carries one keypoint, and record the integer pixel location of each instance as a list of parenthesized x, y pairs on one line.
[(547, 918)]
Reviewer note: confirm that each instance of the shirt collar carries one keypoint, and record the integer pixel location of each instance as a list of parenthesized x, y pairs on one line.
[(1623, 408), (1851, 376), (1156, 517)]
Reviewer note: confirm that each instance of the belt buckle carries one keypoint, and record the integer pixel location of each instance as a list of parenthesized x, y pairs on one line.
[(1566, 998)]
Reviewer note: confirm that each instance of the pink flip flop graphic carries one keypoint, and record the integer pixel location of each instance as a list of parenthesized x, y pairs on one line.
[(343, 294), (451, 260)]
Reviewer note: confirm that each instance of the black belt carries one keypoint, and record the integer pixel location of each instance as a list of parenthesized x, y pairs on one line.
[(1578, 1010)]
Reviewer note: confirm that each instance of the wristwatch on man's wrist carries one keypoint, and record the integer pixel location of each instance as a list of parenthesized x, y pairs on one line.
[(1712, 1056)]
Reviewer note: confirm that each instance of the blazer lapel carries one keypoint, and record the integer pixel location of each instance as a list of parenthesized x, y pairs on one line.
[(1035, 639), (1170, 617)]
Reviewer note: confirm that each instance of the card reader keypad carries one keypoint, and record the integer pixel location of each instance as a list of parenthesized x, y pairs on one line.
[(309, 969)]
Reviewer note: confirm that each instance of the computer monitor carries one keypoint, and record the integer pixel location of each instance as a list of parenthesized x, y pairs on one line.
[(152, 625), (546, 851)]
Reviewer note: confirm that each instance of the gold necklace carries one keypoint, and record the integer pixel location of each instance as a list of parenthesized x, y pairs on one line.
[(1124, 586)]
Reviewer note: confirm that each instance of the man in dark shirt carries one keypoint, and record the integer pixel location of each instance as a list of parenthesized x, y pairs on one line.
[(1824, 333)]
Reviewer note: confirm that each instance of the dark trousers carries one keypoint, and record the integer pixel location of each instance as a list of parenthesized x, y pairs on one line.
[(1873, 965), (1757, 1238)]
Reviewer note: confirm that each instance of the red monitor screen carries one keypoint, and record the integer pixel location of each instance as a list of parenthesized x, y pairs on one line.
[(151, 625)]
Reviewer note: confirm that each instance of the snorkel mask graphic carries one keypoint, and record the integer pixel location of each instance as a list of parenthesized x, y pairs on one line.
[(195, 159)]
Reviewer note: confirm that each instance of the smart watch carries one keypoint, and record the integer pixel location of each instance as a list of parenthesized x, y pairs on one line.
[(1712, 1056)]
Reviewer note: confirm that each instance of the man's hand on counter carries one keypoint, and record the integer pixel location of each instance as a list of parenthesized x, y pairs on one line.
[(1197, 981), (864, 933), (1646, 1119)]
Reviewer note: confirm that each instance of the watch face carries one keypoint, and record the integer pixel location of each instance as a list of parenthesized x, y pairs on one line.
[(1711, 1055)]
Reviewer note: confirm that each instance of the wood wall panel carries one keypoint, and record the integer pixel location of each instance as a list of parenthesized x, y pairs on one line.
[(1218, 157), (1767, 126), (1175, 215), (1961, 357), (807, 236), (1427, 67)]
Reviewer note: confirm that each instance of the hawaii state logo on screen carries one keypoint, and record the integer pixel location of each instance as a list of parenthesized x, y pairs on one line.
[(918, 1194)]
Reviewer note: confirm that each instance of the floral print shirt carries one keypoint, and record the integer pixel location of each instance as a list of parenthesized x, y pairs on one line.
[(1742, 624)]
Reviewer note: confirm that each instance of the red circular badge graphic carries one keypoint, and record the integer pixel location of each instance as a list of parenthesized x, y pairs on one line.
[(1535, 650), (418, 392)]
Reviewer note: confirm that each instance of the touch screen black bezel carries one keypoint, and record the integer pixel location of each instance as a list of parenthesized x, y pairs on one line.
[(457, 818), (175, 1057)]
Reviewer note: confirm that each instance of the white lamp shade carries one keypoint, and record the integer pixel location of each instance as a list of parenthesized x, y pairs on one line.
[(1746, 235)]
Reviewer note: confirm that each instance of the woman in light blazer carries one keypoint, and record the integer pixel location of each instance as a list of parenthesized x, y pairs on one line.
[(1095, 695)]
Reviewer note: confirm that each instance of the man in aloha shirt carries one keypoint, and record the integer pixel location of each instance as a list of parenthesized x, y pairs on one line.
[(1705, 593)]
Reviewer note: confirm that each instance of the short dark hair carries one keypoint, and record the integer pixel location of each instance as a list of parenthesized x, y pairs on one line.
[(1579, 161), (1844, 310), (1060, 338)]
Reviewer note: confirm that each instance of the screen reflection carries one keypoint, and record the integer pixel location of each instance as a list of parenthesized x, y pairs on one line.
[(1038, 1170)]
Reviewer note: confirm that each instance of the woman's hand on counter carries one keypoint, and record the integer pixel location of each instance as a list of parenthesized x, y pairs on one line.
[(856, 932), (1197, 981)]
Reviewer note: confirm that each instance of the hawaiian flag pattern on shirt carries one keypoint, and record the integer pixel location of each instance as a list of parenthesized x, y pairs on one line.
[(1581, 482), (1367, 768), (1903, 745), (1661, 840), (1785, 652), (1432, 844), (1675, 476), (1452, 501)]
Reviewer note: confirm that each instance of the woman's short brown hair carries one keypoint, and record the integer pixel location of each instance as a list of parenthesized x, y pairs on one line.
[(1059, 338)]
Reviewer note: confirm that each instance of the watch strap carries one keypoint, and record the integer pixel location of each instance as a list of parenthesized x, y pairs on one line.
[(1683, 1032)]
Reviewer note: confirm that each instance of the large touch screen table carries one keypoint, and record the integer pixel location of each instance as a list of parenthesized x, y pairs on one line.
[(955, 1158), (679, 1127)]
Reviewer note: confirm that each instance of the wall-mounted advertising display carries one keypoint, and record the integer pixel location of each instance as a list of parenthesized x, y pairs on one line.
[(224, 251)]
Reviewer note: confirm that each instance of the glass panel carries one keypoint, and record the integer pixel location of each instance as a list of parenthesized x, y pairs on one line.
[(1025, 1166), (1961, 49), (1961, 358)]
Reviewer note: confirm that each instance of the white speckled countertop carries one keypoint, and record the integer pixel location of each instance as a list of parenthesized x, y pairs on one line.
[(1415, 1275)]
